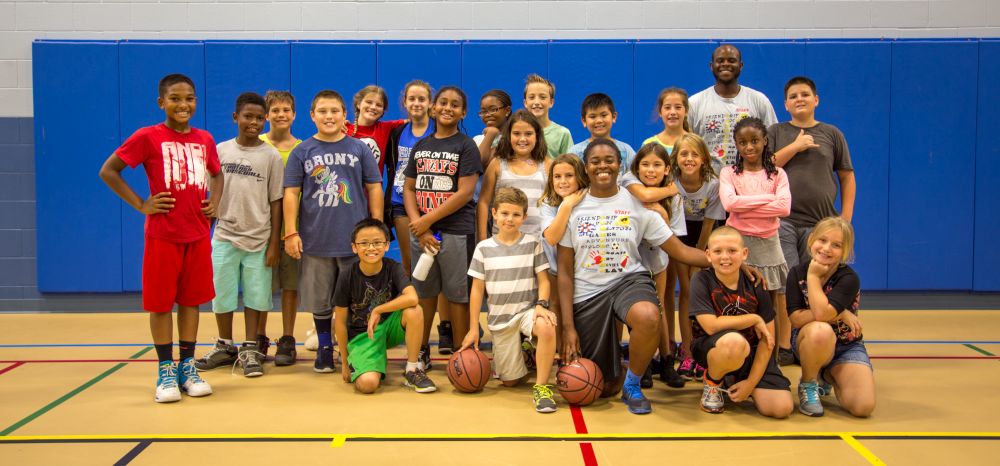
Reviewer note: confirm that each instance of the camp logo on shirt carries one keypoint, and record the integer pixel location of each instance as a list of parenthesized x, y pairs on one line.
[(603, 235), (183, 165), (721, 126)]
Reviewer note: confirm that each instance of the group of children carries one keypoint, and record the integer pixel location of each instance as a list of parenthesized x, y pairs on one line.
[(490, 220)]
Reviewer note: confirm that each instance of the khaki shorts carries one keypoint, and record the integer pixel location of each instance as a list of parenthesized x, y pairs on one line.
[(286, 274), (507, 357)]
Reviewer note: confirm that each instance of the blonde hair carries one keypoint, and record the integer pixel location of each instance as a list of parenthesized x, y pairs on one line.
[(836, 223), (726, 230), (273, 96), (511, 196), (550, 196), (537, 79), (697, 144)]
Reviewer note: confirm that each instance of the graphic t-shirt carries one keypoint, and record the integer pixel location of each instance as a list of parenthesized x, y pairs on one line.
[(361, 293), (375, 136), (406, 142), (605, 234), (547, 214), (332, 176), (283, 153), (812, 173), (709, 296), (626, 150), (178, 163), (253, 180), (713, 117), (558, 139), (436, 165), (652, 256), (509, 271), (842, 290), (702, 203)]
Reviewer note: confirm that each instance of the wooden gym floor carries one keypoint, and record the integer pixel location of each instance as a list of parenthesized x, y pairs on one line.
[(78, 389)]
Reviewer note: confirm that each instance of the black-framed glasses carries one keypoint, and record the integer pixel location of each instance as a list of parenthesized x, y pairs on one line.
[(373, 244), (490, 110)]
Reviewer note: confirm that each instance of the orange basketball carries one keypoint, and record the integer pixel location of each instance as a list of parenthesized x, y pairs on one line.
[(469, 370), (580, 382)]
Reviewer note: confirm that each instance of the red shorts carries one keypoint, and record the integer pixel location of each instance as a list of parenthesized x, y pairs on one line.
[(176, 273)]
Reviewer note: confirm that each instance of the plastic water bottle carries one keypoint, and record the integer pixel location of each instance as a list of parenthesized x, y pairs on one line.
[(425, 262)]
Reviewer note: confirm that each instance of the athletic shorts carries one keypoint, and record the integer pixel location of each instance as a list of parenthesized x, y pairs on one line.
[(176, 273), (233, 269), (694, 232), (772, 379), (286, 275), (850, 353), (397, 211), (507, 358), (793, 243), (318, 281), (596, 320), (449, 274), (369, 354)]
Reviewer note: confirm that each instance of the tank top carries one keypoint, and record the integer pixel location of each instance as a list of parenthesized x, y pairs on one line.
[(533, 186)]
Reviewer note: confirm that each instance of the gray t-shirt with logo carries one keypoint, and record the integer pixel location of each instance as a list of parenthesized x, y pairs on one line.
[(253, 178)]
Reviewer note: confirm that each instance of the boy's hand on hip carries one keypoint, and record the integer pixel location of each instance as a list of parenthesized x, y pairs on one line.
[(159, 203)]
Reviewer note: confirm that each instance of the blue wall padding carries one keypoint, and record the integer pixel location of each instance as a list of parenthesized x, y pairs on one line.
[(232, 68), (317, 66), (78, 218), (932, 140), (918, 116), (439, 63), (659, 65), (499, 65), (987, 256), (142, 65), (847, 73), (573, 67)]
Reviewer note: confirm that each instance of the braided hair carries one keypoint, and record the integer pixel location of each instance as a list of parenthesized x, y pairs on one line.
[(766, 156)]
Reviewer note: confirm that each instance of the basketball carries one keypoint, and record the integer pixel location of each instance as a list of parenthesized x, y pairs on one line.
[(469, 370), (580, 382)]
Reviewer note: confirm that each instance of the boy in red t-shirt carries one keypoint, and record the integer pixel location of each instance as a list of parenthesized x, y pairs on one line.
[(182, 166)]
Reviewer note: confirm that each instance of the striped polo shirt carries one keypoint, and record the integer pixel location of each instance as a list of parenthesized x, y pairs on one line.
[(509, 272)]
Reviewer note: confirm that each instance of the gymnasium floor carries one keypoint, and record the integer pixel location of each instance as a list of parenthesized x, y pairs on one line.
[(78, 389)]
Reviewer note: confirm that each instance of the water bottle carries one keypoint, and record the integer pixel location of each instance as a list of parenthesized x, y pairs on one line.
[(425, 262)]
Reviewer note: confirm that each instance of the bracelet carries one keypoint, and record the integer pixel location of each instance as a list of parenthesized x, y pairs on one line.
[(291, 235)]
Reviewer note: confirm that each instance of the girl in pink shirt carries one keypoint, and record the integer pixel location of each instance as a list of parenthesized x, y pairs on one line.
[(755, 193)]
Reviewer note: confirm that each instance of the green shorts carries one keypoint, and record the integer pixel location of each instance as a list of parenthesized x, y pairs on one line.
[(369, 355)]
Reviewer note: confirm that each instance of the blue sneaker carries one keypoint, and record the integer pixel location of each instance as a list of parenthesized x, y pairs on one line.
[(189, 380), (166, 383), (809, 403), (635, 401), (324, 360)]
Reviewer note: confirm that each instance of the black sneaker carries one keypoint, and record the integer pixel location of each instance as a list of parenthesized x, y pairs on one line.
[(419, 382), (445, 340), (324, 360), (424, 357), (263, 345), (670, 376), (646, 381), (220, 355), (785, 357), (250, 358), (285, 354)]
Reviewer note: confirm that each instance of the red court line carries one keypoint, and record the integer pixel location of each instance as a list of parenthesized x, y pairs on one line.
[(11, 367), (586, 448)]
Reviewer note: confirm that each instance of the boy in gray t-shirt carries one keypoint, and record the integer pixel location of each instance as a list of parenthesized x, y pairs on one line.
[(246, 241)]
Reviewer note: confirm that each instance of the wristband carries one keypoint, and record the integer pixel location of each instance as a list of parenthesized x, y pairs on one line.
[(290, 235)]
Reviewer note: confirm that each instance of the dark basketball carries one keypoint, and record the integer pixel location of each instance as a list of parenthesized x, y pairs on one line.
[(469, 370), (580, 382)]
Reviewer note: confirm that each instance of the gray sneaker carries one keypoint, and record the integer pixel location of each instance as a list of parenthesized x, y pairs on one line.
[(419, 382), (221, 355), (543, 398), (711, 398), (809, 403), (250, 359)]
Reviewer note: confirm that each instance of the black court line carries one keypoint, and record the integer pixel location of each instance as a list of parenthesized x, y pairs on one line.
[(134, 452), (528, 438)]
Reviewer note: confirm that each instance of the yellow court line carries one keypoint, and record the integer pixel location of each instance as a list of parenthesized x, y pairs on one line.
[(338, 439), (861, 449)]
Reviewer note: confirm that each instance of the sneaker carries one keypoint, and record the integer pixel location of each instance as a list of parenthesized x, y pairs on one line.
[(312, 340), (528, 352), (686, 369), (646, 381), (285, 355), (825, 388), (166, 383), (809, 403), (324, 360), (263, 345), (445, 341), (542, 396), (189, 380), (419, 382), (785, 357), (669, 375), (711, 398), (250, 359), (220, 355), (424, 357), (699, 372), (635, 401)]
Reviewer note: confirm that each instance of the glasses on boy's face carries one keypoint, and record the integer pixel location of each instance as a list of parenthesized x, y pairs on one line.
[(490, 110), (373, 244)]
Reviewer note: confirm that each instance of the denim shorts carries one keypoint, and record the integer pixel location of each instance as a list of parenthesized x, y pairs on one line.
[(850, 353)]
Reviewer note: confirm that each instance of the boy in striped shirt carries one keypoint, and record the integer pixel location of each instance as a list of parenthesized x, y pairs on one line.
[(511, 269)]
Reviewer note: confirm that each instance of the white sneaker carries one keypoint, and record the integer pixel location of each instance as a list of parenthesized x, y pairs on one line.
[(190, 381), (166, 384), (312, 340)]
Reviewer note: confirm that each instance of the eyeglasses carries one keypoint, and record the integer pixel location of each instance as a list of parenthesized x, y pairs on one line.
[(490, 111), (373, 244)]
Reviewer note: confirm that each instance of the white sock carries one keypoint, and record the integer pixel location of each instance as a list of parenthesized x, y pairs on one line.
[(412, 366)]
